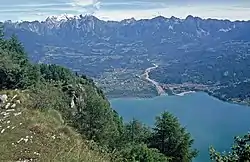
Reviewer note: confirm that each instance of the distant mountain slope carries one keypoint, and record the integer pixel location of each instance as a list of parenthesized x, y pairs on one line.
[(204, 51), (88, 36)]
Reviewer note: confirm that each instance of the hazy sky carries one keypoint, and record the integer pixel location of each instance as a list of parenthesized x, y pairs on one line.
[(121, 9)]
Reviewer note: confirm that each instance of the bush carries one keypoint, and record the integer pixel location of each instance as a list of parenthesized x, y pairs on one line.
[(140, 152)]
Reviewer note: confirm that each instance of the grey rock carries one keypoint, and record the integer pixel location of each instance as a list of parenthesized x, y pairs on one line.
[(7, 105), (72, 104), (14, 97), (3, 99), (13, 106)]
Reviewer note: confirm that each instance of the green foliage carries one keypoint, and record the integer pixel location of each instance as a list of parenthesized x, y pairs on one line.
[(10, 73), (172, 139), (48, 139), (56, 73), (240, 151), (18, 53), (95, 118), (141, 153), (32, 76), (136, 132), (1, 32), (15, 70), (46, 96)]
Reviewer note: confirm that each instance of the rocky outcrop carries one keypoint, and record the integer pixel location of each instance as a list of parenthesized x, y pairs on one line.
[(10, 101), (78, 96), (3, 99)]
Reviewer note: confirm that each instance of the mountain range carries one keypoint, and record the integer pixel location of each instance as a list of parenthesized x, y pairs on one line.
[(194, 50)]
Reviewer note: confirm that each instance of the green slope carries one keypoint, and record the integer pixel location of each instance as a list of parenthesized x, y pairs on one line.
[(30, 134)]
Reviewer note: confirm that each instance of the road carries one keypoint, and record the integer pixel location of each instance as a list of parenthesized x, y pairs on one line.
[(159, 89)]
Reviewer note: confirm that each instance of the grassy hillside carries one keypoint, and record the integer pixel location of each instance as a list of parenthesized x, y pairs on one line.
[(30, 134)]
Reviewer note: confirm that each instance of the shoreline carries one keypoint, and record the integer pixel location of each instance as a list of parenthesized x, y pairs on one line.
[(161, 91), (152, 96), (184, 93), (179, 95)]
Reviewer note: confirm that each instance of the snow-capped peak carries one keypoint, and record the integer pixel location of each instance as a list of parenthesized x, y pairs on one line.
[(62, 17), (55, 21)]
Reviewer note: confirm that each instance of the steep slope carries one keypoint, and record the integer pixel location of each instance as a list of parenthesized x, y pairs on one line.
[(28, 134)]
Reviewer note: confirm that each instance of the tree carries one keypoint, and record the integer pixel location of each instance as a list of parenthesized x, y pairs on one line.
[(56, 73), (136, 132), (1, 31), (172, 139), (240, 151), (94, 117), (18, 53), (15, 71), (46, 96)]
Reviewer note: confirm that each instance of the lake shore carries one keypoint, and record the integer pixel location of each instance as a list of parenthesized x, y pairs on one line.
[(206, 117), (184, 93), (175, 90), (151, 96)]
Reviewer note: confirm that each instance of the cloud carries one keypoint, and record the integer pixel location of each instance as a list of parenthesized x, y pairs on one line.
[(133, 5), (39, 10), (89, 6), (86, 3), (212, 11)]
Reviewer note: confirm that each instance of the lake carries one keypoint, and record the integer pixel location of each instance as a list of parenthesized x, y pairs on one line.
[(209, 120)]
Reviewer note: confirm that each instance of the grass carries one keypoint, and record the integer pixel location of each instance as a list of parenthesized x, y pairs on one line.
[(29, 134)]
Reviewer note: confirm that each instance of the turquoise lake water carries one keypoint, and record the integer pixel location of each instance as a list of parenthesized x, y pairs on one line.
[(209, 120)]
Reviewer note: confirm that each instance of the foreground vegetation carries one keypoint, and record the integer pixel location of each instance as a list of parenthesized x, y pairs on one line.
[(240, 151), (28, 134)]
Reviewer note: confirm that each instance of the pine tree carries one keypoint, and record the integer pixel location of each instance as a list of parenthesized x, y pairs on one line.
[(171, 139), (136, 132), (1, 30), (19, 55), (95, 119), (240, 151), (1, 35)]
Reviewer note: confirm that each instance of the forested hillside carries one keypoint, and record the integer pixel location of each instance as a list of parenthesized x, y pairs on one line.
[(53, 101)]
